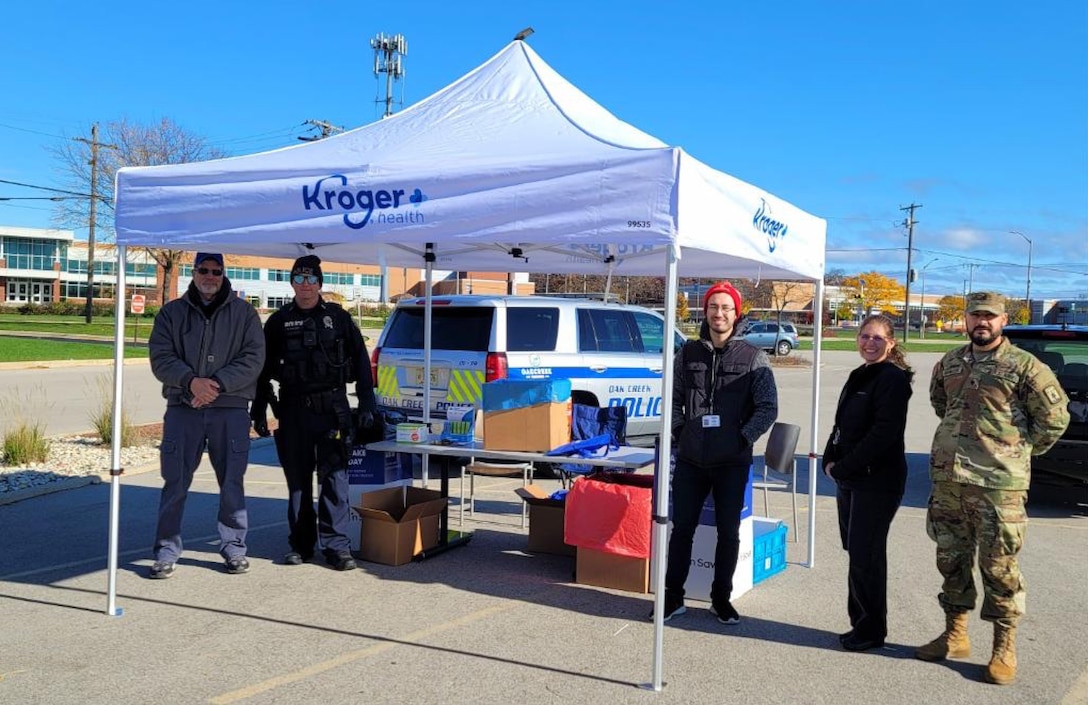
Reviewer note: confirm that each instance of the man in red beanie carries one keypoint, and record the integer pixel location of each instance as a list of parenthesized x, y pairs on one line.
[(724, 398)]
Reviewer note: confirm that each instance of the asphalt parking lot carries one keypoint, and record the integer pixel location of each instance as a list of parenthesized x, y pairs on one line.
[(491, 623)]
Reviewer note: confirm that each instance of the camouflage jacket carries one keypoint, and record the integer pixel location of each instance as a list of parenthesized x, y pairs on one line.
[(995, 414)]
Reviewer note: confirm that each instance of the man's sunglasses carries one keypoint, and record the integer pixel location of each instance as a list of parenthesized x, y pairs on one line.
[(304, 279), (205, 271)]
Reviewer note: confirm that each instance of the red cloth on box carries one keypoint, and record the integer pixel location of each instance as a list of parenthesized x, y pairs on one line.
[(610, 513)]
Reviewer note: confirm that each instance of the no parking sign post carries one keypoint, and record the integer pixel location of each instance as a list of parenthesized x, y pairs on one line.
[(136, 307)]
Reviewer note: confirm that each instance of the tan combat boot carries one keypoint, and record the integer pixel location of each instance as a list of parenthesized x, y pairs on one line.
[(1002, 667), (952, 643)]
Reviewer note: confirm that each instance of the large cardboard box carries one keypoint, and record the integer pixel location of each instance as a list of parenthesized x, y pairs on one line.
[(609, 570), (369, 471), (399, 523), (546, 517), (526, 415), (540, 427)]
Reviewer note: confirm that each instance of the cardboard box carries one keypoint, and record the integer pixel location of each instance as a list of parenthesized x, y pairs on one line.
[(526, 414), (399, 523), (546, 518), (768, 548), (611, 571), (539, 427), (369, 471)]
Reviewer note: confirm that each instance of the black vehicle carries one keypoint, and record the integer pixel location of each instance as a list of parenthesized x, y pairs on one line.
[(1064, 348)]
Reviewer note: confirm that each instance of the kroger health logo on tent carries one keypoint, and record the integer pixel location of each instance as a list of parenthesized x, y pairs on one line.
[(765, 223), (361, 205)]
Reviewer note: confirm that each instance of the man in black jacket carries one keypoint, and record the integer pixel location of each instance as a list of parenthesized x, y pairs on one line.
[(724, 399), (314, 351)]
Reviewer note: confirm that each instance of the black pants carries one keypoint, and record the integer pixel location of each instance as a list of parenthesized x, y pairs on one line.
[(304, 446), (690, 486), (864, 521)]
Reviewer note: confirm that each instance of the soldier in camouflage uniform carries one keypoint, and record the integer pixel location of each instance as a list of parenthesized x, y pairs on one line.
[(999, 405)]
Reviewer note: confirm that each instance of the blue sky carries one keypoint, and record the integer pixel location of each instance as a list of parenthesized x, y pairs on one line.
[(978, 110)]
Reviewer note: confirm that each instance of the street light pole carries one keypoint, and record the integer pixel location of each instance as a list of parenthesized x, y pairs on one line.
[(922, 325), (1027, 295)]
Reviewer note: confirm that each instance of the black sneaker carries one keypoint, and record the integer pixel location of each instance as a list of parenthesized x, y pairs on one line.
[(673, 608), (237, 566), (293, 558), (343, 561), (725, 613), (161, 570)]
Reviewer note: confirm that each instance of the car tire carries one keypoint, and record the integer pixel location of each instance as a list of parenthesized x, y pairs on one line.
[(783, 348)]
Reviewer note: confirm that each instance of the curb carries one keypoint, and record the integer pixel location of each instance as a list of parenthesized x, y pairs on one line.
[(68, 483), (71, 483)]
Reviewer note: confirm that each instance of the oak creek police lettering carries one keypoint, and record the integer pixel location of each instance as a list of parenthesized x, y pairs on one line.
[(773, 229), (365, 201)]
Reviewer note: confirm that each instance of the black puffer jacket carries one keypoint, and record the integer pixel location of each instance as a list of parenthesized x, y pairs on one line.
[(866, 443), (734, 382)]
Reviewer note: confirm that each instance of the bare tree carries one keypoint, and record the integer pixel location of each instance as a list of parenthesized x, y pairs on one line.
[(134, 144)]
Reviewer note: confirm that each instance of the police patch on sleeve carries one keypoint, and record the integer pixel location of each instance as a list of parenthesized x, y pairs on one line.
[(1052, 394)]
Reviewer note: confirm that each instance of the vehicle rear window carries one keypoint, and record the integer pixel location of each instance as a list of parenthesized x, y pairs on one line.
[(531, 329), (451, 328)]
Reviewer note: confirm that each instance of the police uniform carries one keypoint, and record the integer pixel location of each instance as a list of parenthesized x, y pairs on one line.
[(314, 354)]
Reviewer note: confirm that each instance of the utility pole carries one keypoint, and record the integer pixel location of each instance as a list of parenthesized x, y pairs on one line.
[(909, 224), (327, 130), (95, 144)]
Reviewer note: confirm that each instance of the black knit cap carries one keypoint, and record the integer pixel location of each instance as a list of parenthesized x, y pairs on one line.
[(308, 264)]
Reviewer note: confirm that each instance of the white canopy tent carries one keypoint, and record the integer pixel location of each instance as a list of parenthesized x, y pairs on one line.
[(510, 168)]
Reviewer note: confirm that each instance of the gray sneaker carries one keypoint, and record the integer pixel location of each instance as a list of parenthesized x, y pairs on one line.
[(236, 566), (161, 570)]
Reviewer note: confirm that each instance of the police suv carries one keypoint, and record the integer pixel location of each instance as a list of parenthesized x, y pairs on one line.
[(612, 353)]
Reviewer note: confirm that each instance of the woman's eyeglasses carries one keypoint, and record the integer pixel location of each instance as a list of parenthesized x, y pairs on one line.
[(304, 279), (865, 338), (205, 271)]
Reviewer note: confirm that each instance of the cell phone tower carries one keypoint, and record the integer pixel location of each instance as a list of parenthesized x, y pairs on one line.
[(388, 53)]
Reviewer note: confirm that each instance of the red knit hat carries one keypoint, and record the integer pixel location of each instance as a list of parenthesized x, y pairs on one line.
[(722, 288)]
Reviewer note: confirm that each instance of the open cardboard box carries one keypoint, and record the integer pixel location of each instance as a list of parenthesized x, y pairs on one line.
[(546, 516), (398, 523), (612, 571)]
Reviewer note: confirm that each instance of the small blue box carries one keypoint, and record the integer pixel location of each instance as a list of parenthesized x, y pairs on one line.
[(768, 548)]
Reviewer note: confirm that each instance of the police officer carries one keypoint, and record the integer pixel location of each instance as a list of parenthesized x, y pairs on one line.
[(314, 350), (999, 405)]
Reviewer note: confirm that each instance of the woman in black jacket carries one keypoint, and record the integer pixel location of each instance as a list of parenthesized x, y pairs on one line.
[(866, 456)]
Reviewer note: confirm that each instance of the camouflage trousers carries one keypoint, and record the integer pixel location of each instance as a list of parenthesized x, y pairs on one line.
[(964, 520)]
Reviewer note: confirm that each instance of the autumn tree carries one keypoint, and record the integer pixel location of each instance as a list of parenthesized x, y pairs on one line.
[(950, 308), (683, 312), (878, 293), (132, 144)]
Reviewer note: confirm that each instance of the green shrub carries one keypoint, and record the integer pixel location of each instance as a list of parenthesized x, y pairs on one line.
[(25, 443)]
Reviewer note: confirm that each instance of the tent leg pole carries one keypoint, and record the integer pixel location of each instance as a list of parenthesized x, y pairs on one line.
[(115, 455)]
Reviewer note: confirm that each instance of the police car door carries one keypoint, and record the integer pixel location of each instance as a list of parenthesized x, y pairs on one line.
[(617, 370)]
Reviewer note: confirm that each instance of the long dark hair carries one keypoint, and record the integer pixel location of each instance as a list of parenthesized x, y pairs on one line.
[(896, 355)]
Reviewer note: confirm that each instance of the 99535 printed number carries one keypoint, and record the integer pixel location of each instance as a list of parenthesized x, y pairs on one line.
[(638, 223)]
